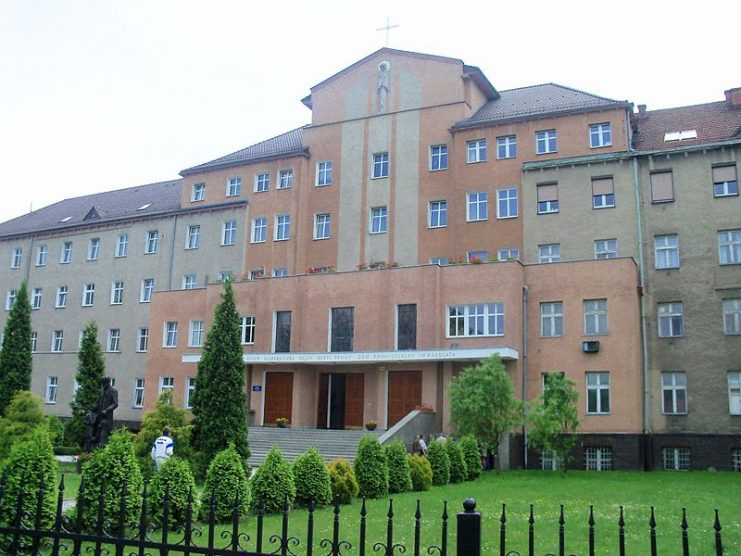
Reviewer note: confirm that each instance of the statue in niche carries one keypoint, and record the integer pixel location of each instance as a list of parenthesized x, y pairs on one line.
[(383, 85)]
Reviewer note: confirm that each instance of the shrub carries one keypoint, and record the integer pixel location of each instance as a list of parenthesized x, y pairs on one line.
[(439, 461), (226, 485), (420, 471), (22, 416), (312, 479), (56, 430), (371, 468), (273, 483), (472, 455), (343, 482), (400, 479), (458, 467), (175, 475)]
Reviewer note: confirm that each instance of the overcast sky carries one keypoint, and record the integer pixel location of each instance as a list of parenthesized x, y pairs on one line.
[(104, 94)]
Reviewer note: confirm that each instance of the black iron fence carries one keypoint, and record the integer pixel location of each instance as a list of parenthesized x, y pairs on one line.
[(25, 533)]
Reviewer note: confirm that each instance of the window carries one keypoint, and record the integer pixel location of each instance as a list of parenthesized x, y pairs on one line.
[(153, 238), (285, 179), (662, 187), (508, 254), (196, 333), (438, 157), (600, 135), (378, 220), (343, 329), (729, 247), (477, 206), (507, 202), (262, 182), (322, 226), (547, 198), (282, 331), (670, 320), (280, 272), (438, 214), (545, 141), (146, 290), (725, 181), (138, 392), (88, 295), (229, 232), (666, 252), (480, 319), (549, 253), (57, 340), (507, 147), (595, 316), (224, 275), (736, 459), (17, 258), (34, 341), (66, 256), (122, 245), (259, 229), (41, 255), (190, 388), (197, 193), (440, 261), (171, 334), (551, 319), (324, 173), (10, 299), (734, 392), (114, 339), (247, 329), (117, 292), (142, 339), (732, 316), (674, 393), (190, 282), (36, 298), (406, 326), (477, 256), (548, 460), (598, 393), (52, 384), (380, 166), (603, 193), (93, 249), (193, 236), (605, 249), (234, 186), (282, 227), (676, 459), (476, 151), (167, 383), (598, 458)]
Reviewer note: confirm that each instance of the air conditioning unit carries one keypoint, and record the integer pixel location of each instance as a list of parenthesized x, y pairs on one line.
[(590, 346)]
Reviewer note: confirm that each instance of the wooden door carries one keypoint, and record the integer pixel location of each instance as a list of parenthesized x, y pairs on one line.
[(278, 397), (354, 399), (405, 393), (322, 407)]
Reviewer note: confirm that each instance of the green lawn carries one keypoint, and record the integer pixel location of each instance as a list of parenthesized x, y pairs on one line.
[(700, 492)]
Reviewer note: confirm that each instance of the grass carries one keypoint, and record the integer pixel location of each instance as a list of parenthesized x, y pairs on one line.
[(700, 492)]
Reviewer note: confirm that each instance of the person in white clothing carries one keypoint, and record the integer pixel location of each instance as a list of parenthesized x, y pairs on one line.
[(162, 448)]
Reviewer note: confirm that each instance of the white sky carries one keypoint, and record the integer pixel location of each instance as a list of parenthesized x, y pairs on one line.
[(103, 94)]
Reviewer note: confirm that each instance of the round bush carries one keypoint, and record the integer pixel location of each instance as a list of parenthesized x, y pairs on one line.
[(400, 479), (439, 461), (22, 416), (226, 487), (371, 468), (420, 471), (458, 467), (174, 475), (273, 484), (472, 455), (312, 479), (343, 482)]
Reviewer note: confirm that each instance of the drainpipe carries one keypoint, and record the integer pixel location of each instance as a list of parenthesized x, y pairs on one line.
[(524, 371)]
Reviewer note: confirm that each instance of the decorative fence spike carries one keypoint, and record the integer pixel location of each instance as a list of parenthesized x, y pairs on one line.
[(531, 533), (503, 531), (718, 541), (685, 539), (652, 534), (417, 520), (561, 534), (590, 522), (363, 513), (621, 533)]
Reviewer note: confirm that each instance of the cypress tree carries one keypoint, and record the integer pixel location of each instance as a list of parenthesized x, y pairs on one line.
[(15, 355)]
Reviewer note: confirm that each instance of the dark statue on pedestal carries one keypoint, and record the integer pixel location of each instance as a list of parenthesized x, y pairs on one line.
[(99, 421)]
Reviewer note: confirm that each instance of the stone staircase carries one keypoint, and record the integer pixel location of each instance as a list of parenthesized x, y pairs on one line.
[(292, 442)]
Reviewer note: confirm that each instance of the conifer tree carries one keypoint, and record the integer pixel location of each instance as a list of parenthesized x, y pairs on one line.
[(15, 355)]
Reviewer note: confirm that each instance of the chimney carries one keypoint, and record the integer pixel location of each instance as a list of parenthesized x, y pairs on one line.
[(641, 111), (733, 97)]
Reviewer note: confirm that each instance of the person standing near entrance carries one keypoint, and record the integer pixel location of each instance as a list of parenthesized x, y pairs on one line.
[(162, 448), (422, 445)]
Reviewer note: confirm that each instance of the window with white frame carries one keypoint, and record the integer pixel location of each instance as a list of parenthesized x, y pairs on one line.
[(93, 249), (167, 383), (729, 247), (224, 275), (280, 272), (440, 261), (88, 294), (477, 256), (549, 460), (666, 252), (479, 319), (732, 316), (551, 319), (16, 258), (378, 220), (262, 182), (196, 333), (380, 167), (142, 339), (247, 329), (506, 147), (285, 179), (57, 340), (437, 214), (114, 339), (725, 181), (259, 229), (605, 249), (256, 273), (549, 253), (138, 392), (322, 226), (477, 203), (671, 319), (10, 299), (122, 246), (52, 385), (508, 254), (190, 388), (676, 459), (476, 151), (595, 317), (117, 292), (229, 232), (282, 227), (170, 339), (598, 458), (603, 193), (153, 238), (36, 298), (662, 186), (600, 135), (193, 236), (547, 198), (674, 393), (598, 393), (147, 289), (324, 172), (197, 192), (66, 256), (507, 202), (736, 459), (34, 341), (234, 186), (438, 157), (190, 282), (734, 392), (546, 141), (41, 255)]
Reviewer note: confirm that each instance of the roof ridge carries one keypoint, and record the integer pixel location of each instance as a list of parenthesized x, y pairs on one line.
[(554, 84), (671, 108)]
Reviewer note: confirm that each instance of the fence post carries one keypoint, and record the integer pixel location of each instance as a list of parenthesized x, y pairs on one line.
[(468, 542)]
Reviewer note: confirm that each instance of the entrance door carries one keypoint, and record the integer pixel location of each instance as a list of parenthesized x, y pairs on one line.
[(278, 397), (341, 399), (405, 393)]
